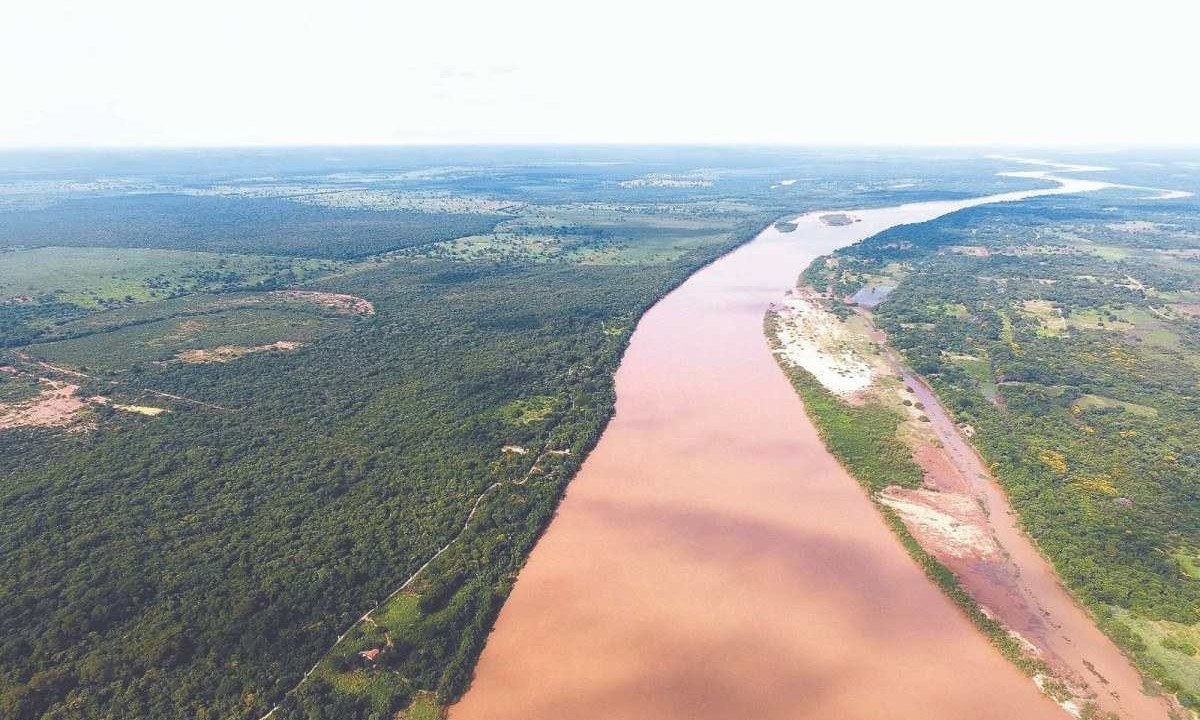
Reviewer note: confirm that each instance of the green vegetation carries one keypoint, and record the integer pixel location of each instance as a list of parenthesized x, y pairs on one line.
[(16, 389), (529, 410), (1079, 371), (103, 277), (131, 347), (220, 224), (239, 543), (862, 437)]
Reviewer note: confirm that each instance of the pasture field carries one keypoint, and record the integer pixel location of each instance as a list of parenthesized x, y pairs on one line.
[(42, 289), (95, 278)]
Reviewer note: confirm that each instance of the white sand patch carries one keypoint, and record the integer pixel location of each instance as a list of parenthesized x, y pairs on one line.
[(514, 449), (813, 338), (951, 521), (146, 410)]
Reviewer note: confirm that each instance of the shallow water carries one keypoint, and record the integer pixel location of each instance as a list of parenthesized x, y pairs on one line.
[(712, 560)]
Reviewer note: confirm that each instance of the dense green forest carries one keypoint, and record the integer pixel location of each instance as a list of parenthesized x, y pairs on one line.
[(223, 224), (1066, 331)]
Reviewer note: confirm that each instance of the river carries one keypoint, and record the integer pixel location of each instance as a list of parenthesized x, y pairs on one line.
[(712, 560)]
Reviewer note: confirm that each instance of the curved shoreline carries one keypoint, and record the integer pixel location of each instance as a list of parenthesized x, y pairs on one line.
[(712, 560)]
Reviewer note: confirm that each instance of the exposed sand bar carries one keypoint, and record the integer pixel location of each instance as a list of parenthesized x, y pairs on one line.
[(712, 560)]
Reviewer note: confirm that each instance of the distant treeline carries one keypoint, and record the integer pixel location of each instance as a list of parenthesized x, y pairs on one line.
[(221, 224)]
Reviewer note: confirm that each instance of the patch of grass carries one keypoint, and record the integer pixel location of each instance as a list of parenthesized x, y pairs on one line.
[(95, 278), (1090, 402), (400, 612), (424, 707), (1050, 321), (529, 411), (1106, 252), (1167, 651), (1189, 562), (596, 236), (161, 340), (978, 369), (956, 310), (1008, 334)]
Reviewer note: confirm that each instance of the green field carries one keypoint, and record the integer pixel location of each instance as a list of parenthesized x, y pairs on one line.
[(101, 277)]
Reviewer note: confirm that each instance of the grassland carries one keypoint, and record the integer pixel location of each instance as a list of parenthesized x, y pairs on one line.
[(96, 278), (43, 289), (16, 389)]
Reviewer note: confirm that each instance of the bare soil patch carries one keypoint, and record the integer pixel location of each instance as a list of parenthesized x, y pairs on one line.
[(336, 301), (229, 353), (55, 406)]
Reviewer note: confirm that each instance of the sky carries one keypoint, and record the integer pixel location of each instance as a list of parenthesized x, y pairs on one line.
[(911, 72)]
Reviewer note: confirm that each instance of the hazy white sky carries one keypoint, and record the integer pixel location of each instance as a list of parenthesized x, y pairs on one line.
[(212, 72)]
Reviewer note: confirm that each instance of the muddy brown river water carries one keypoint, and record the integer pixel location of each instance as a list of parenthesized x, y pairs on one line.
[(712, 560)]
